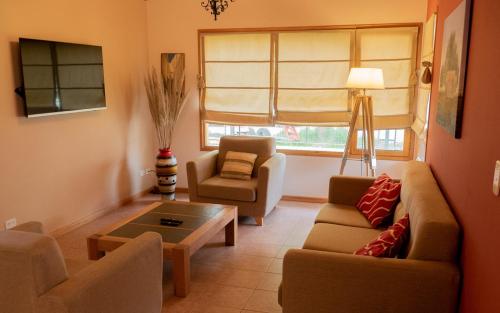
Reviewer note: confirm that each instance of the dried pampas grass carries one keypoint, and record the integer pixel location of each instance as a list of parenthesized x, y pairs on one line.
[(166, 98)]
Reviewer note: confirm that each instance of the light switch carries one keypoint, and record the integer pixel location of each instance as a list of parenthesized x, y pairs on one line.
[(496, 179)]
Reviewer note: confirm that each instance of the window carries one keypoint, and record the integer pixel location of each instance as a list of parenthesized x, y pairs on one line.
[(293, 138), (290, 84)]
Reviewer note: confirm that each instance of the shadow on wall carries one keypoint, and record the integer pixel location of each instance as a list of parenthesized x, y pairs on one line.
[(123, 183), (16, 68)]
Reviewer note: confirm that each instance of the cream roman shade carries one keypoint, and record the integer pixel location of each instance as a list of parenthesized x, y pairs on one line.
[(236, 69), (393, 49), (299, 77), (312, 68)]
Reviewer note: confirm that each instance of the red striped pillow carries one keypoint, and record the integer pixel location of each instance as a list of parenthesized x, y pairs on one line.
[(379, 201), (389, 242)]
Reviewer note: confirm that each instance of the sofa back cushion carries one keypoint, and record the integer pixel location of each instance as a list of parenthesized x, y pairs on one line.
[(30, 265), (263, 147), (434, 230)]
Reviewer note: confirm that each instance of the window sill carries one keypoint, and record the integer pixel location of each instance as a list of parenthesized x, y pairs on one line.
[(392, 156)]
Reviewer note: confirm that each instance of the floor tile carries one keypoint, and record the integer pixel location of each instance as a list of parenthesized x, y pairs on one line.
[(276, 266), (263, 301), (284, 249), (227, 296), (239, 278), (270, 282), (203, 308)]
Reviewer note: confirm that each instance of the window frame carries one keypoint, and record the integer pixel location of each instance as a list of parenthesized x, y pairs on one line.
[(409, 142)]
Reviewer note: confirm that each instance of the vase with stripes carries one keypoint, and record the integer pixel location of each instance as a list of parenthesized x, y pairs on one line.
[(166, 171)]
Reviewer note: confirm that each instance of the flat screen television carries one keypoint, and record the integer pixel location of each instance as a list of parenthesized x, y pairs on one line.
[(60, 77)]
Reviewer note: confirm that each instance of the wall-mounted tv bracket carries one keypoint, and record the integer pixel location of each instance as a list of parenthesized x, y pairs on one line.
[(21, 92)]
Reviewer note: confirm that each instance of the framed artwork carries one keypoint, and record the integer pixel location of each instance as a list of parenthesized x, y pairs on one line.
[(453, 68)]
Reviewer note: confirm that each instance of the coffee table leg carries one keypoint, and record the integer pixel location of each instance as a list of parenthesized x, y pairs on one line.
[(232, 230), (181, 270), (92, 250)]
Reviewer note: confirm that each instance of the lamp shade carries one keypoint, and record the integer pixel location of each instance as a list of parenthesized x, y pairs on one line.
[(365, 78)]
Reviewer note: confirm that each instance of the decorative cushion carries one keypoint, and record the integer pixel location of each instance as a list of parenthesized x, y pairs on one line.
[(378, 202), (238, 165), (389, 242), (264, 147)]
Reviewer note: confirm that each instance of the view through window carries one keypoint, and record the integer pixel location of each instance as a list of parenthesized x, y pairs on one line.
[(308, 138)]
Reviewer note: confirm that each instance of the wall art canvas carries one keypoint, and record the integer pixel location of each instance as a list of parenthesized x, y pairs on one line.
[(453, 69)]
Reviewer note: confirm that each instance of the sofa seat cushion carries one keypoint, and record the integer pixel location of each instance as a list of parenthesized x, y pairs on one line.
[(229, 189), (341, 214), (339, 238)]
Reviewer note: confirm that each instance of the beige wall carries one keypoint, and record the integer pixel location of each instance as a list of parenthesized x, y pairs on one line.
[(63, 169), (173, 25)]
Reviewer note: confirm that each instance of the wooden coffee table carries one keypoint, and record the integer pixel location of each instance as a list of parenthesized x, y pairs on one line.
[(201, 221)]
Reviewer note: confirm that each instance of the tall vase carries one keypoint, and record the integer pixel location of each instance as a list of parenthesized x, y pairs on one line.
[(166, 171)]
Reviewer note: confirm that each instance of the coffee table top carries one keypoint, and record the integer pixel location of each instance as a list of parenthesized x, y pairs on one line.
[(193, 216)]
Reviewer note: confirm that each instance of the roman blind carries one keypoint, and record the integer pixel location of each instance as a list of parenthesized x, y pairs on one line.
[(312, 68), (298, 77), (394, 50), (237, 78)]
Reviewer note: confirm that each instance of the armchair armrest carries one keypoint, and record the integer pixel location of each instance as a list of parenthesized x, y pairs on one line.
[(30, 227), (318, 281), (348, 189), (270, 181), (200, 169), (128, 280)]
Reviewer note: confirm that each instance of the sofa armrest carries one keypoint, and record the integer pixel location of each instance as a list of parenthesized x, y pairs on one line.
[(200, 169), (128, 280), (348, 189), (270, 182), (30, 227), (317, 281)]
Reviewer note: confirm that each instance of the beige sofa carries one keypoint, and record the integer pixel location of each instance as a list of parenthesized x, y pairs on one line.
[(256, 197), (34, 276), (325, 276)]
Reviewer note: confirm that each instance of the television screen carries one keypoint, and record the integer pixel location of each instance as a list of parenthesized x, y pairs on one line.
[(61, 77)]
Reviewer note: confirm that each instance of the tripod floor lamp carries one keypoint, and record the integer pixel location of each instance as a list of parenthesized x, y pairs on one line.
[(362, 79)]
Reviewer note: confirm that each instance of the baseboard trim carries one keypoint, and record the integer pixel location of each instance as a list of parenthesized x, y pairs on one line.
[(181, 190), (95, 215), (283, 198), (304, 199)]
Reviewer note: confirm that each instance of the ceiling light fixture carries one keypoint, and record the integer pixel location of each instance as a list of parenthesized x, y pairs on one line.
[(216, 6)]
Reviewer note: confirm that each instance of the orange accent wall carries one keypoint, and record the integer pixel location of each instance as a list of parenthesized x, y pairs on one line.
[(68, 168), (464, 167)]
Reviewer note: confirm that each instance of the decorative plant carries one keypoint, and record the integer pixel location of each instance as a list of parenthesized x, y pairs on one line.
[(166, 98)]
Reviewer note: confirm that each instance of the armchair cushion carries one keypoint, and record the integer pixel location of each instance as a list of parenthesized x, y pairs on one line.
[(229, 189), (264, 147), (238, 165), (340, 214), (339, 238)]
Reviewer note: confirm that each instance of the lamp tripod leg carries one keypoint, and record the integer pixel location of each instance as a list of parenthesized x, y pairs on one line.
[(350, 134)]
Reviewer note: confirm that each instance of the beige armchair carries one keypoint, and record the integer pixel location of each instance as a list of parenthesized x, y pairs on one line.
[(34, 278), (256, 197)]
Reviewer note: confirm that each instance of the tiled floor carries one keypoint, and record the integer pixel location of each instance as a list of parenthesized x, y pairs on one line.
[(244, 278)]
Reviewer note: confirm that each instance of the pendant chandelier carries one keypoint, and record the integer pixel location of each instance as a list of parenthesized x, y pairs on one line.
[(216, 6)]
